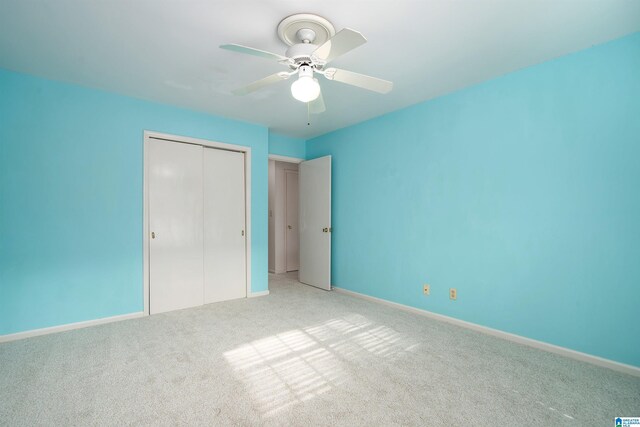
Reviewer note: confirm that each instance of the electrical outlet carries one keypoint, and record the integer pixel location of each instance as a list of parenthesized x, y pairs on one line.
[(453, 294), (426, 289)]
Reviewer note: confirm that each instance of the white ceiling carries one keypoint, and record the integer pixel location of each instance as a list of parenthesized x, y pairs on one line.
[(167, 50)]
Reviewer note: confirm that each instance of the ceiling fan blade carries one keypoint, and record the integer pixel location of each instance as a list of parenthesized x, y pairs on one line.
[(259, 84), (360, 80), (317, 105), (255, 52), (344, 41)]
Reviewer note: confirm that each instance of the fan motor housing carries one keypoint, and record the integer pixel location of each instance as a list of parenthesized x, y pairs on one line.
[(301, 49), (301, 54)]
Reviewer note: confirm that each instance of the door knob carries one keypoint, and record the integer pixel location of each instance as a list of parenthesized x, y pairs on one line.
[(325, 230), (289, 227), (153, 235)]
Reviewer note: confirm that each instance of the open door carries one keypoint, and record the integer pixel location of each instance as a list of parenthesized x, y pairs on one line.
[(314, 183)]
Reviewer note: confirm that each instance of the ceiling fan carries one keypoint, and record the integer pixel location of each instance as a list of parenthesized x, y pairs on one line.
[(313, 44)]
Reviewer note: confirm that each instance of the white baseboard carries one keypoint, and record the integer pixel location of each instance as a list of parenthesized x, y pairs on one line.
[(87, 323), (583, 357), (258, 294), (68, 327)]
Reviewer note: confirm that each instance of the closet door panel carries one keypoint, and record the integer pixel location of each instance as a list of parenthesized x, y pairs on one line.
[(224, 226), (175, 223)]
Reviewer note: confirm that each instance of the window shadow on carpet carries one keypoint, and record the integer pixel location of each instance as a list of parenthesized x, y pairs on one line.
[(300, 364)]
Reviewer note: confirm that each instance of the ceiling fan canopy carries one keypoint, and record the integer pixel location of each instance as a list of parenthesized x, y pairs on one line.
[(313, 43)]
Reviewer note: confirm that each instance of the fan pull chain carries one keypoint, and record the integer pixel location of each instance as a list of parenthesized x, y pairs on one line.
[(308, 115)]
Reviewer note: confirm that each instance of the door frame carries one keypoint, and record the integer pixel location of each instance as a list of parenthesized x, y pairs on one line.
[(279, 158), (148, 136)]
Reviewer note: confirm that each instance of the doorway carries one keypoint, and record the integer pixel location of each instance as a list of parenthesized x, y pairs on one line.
[(300, 219), (284, 250)]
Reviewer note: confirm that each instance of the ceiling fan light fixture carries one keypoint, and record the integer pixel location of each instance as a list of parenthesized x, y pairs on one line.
[(313, 44), (306, 88)]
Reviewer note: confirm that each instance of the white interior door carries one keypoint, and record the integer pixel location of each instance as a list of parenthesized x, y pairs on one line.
[(292, 232), (175, 223), (315, 222), (224, 226)]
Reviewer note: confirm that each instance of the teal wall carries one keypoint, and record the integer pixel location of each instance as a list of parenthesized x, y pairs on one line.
[(521, 192), (71, 198), (286, 146)]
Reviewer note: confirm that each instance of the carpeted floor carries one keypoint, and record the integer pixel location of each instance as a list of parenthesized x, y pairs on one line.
[(299, 356)]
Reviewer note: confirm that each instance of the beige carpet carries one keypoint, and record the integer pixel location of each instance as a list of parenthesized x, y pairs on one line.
[(300, 357)]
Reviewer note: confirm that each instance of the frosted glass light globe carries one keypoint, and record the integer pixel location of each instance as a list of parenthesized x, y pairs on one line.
[(305, 89)]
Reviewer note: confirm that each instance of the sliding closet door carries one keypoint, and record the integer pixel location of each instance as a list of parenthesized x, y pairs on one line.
[(224, 226), (175, 224)]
